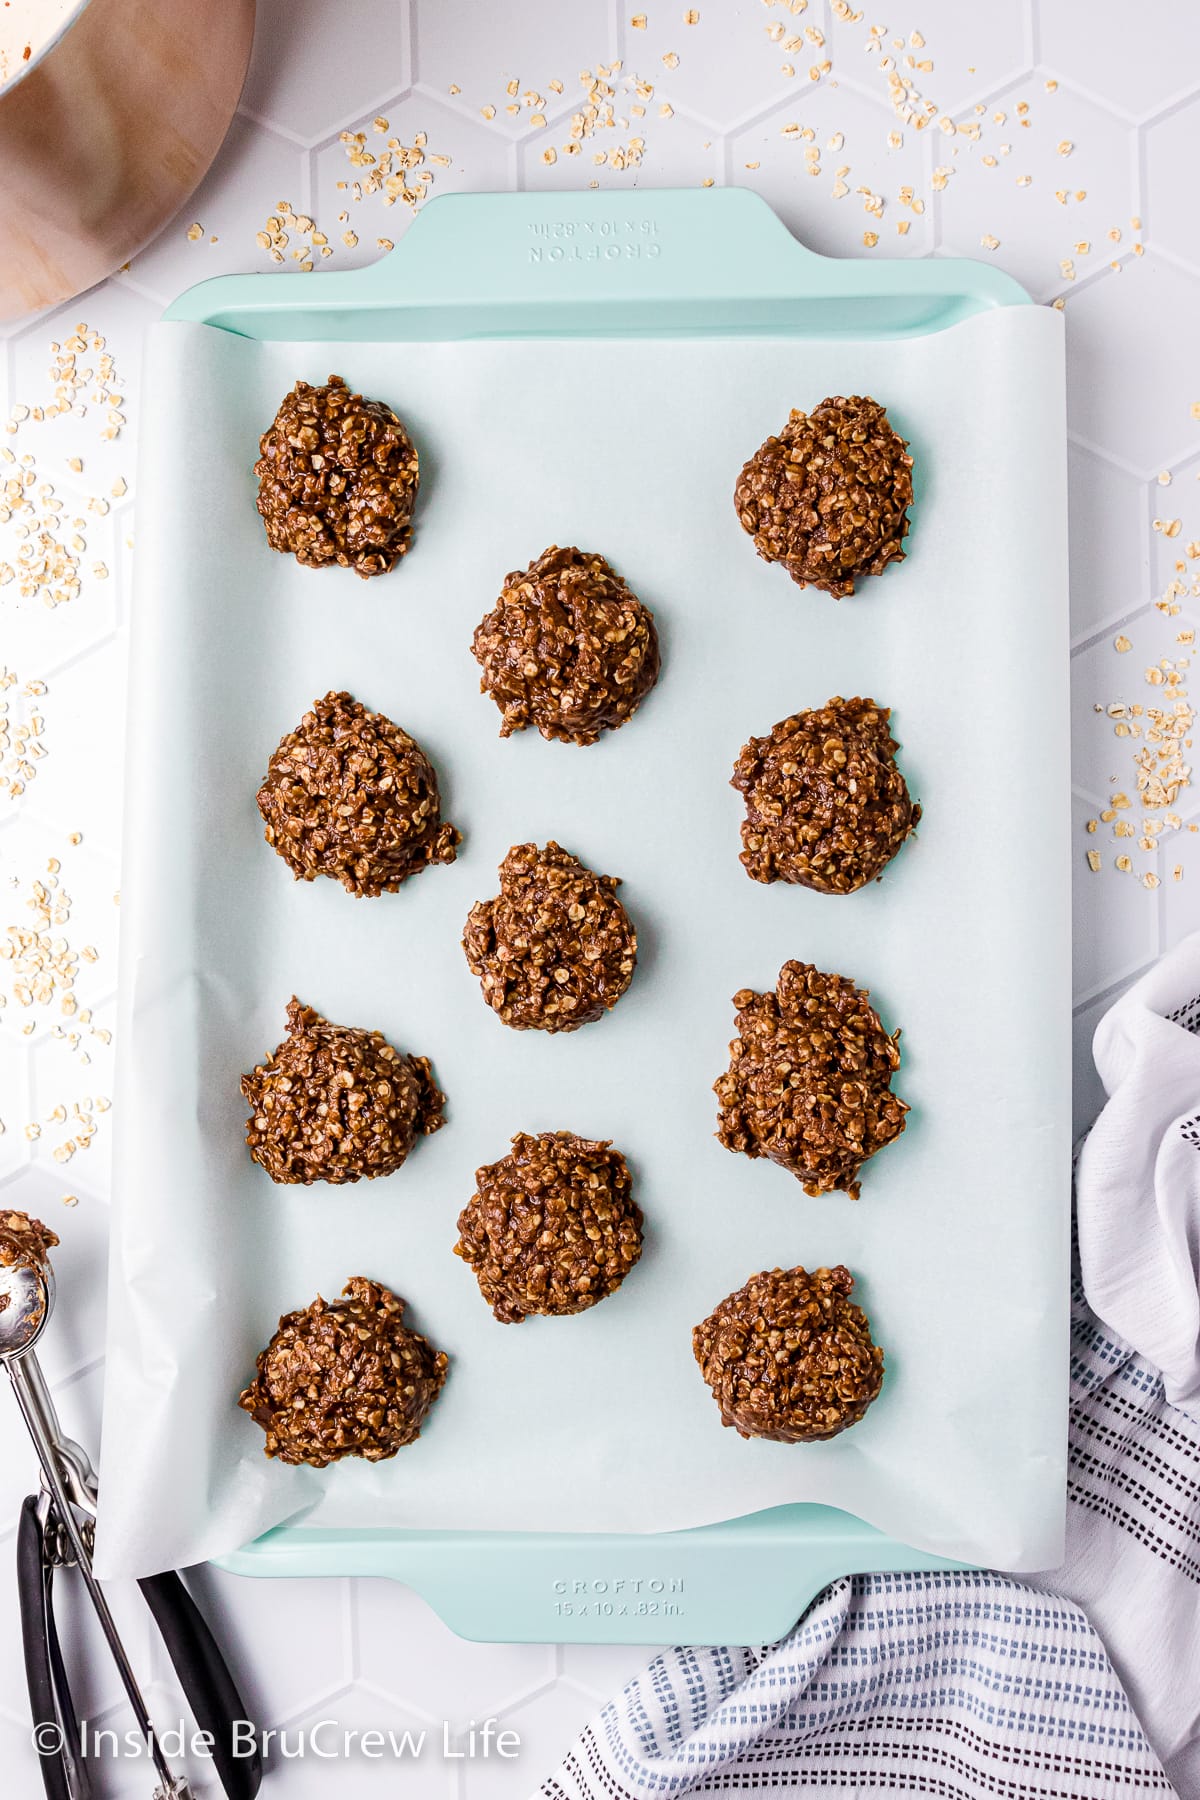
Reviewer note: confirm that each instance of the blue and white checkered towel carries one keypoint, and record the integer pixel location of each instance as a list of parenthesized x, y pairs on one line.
[(980, 1687)]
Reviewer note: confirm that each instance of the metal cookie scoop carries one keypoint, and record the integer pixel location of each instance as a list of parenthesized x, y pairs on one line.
[(56, 1531)]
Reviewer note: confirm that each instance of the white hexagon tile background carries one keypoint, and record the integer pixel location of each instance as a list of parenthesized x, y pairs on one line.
[(1056, 139)]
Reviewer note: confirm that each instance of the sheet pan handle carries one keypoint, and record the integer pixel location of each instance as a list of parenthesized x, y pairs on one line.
[(595, 263), (745, 1581)]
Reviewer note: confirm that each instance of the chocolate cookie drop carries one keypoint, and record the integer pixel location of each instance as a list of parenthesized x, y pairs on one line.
[(829, 497), (344, 1378), (337, 480), (809, 1079), (553, 1228), (789, 1356)]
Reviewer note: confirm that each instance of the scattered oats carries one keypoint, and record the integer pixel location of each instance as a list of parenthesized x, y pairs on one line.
[(1125, 864), (989, 242), (350, 239), (1168, 527), (384, 244), (666, 111), (487, 112), (195, 233), (1122, 644), (1164, 478), (691, 17), (670, 60), (1093, 857), (1150, 879), (21, 740), (1065, 147), (752, 165), (1067, 269), (1081, 249), (902, 226), (870, 239), (70, 1199), (397, 172), (707, 182), (1052, 86), (638, 21), (550, 155), (75, 463), (1058, 304)]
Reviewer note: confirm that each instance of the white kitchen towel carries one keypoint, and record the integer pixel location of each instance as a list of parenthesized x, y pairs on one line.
[(968, 1686), (1138, 1189)]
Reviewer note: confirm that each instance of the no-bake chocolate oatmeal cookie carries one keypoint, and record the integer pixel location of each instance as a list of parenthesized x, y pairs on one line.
[(829, 497), (344, 1378), (809, 1079), (553, 1228), (555, 949), (24, 1242), (826, 805), (334, 1103), (567, 648), (350, 795), (337, 479), (790, 1356)]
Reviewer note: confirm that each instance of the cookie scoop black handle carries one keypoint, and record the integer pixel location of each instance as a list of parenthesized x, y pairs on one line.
[(43, 1660), (204, 1676)]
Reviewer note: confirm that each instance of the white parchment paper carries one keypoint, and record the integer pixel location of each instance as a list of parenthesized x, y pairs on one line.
[(601, 1422)]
